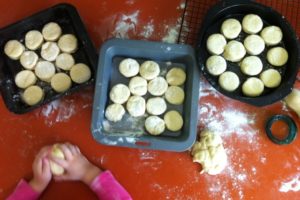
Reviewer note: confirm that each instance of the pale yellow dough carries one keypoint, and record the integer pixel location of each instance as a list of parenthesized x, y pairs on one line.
[(253, 87), (129, 67), (14, 49), (29, 59), (49, 51), (216, 65), (157, 86), (55, 168), (231, 28), (155, 125), (229, 81), (80, 73), (114, 112), (156, 106), (119, 93), (176, 76), (45, 70), (173, 120), (277, 56), (149, 70), (51, 31), (271, 78), (175, 95), (33, 95), (68, 43), (216, 43), (33, 39), (252, 23), (136, 106), (254, 44), (272, 35), (138, 86), (61, 82), (251, 65), (293, 101), (64, 61), (234, 51), (25, 79)]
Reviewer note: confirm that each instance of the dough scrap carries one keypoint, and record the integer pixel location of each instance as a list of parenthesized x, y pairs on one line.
[(216, 65), (254, 44), (210, 153), (271, 78), (33, 95), (45, 70), (156, 106), (25, 79), (136, 106), (29, 59), (234, 51), (251, 65), (149, 70), (229, 81), (252, 24), (272, 35), (14, 49), (173, 120), (176, 76), (175, 95), (68, 43), (64, 61), (277, 56), (138, 86), (155, 125), (33, 39), (157, 86), (51, 31), (80, 73), (55, 168), (129, 67), (61, 82), (231, 28), (216, 43), (253, 87), (49, 51), (293, 101), (119, 93), (114, 112)]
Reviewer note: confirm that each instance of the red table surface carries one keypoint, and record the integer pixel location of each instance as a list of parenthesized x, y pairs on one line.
[(257, 168)]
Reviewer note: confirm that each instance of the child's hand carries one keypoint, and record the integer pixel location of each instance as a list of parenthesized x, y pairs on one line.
[(41, 170), (76, 166)]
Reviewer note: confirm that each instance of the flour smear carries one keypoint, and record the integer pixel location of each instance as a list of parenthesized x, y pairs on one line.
[(291, 185)]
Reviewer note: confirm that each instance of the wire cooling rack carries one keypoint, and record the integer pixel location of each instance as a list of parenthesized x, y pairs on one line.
[(195, 11)]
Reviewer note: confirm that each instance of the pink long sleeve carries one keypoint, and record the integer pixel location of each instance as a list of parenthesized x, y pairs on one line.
[(24, 191), (107, 187)]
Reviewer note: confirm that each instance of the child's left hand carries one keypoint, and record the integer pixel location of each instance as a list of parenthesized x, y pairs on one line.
[(41, 170)]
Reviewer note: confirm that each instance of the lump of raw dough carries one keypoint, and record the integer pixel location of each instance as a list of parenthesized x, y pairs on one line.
[(49, 51), (216, 65), (154, 125), (173, 120), (216, 43), (234, 51), (67, 43), (277, 56), (253, 87), (254, 44), (175, 95), (119, 93), (231, 28), (114, 112), (272, 35), (64, 61), (55, 168), (293, 101), (61, 82), (14, 49), (252, 24), (129, 67), (210, 153), (33, 95), (149, 70), (251, 65), (80, 73), (229, 81), (45, 70), (271, 78), (25, 79), (33, 39), (51, 31), (138, 86), (29, 59), (176, 76), (156, 106), (136, 106), (157, 86)]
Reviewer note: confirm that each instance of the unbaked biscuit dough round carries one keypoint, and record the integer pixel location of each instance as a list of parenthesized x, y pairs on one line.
[(68, 43), (252, 24), (254, 44), (271, 78), (216, 65), (119, 93), (272, 35), (44, 70), (33, 95), (251, 65), (234, 51), (216, 43), (64, 61), (136, 106), (51, 31), (33, 39), (14, 49), (253, 87), (49, 51), (61, 82), (231, 28), (173, 120), (25, 79), (138, 86), (277, 56), (176, 76), (129, 67), (149, 70), (157, 86), (293, 100), (229, 81), (80, 73), (155, 125), (114, 112), (57, 153), (29, 59), (156, 106), (175, 95)]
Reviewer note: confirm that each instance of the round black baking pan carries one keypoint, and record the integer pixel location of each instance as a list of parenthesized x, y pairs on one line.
[(238, 9)]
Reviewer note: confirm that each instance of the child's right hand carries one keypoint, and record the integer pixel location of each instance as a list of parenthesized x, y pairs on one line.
[(76, 166)]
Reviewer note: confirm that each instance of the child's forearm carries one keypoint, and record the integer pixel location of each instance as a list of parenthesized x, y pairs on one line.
[(24, 191)]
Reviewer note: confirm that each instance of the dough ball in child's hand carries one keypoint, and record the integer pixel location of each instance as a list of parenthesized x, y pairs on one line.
[(55, 168)]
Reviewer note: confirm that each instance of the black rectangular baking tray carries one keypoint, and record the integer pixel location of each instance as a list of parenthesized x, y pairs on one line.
[(68, 18), (237, 9), (130, 132)]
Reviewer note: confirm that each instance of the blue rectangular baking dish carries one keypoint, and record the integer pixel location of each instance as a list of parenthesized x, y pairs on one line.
[(130, 132)]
